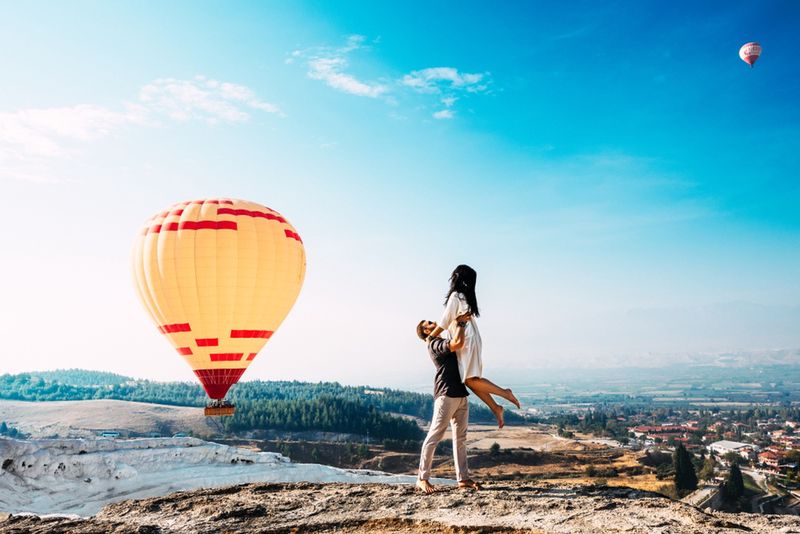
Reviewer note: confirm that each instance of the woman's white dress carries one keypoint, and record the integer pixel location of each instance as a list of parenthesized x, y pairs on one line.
[(469, 356)]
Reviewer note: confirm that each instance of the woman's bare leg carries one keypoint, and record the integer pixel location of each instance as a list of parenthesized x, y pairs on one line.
[(477, 383), (487, 399)]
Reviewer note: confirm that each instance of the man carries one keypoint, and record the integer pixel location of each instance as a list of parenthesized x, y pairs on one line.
[(450, 404)]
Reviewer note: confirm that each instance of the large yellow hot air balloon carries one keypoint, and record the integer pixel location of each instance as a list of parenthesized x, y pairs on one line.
[(218, 276)]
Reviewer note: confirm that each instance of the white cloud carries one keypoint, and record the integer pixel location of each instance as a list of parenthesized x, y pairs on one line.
[(448, 101), (432, 80), (329, 64), (48, 132), (294, 55), (30, 137), (354, 42), (203, 99), (329, 70)]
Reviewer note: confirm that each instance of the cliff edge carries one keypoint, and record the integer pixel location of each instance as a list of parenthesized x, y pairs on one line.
[(349, 508)]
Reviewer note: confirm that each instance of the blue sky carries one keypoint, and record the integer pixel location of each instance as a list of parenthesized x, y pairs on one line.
[(625, 185)]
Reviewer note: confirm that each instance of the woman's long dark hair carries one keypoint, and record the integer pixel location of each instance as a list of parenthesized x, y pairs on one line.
[(463, 281)]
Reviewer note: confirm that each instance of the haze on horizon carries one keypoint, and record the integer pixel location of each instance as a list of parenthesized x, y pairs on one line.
[(624, 185)]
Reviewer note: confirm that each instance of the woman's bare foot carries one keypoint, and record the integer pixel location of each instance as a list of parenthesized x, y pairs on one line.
[(425, 486), (469, 484), (510, 397), (498, 413)]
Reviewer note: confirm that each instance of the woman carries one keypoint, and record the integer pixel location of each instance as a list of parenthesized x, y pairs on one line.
[(460, 300)]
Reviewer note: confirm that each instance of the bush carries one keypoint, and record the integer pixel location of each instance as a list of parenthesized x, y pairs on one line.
[(609, 472), (665, 471), (655, 458)]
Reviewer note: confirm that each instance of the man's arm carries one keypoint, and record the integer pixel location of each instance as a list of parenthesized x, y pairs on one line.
[(436, 331), (458, 341)]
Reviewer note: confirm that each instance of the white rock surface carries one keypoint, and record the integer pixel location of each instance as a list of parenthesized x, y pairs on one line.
[(80, 476)]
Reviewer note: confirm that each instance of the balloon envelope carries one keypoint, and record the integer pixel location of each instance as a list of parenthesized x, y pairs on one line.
[(749, 52), (218, 276)]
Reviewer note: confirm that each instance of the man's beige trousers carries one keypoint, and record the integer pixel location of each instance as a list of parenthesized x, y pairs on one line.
[(447, 410)]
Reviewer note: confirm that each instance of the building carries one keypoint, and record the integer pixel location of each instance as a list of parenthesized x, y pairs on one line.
[(770, 458), (658, 431), (745, 450)]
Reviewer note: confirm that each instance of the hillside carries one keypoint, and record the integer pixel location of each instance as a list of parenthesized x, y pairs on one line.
[(62, 419), (277, 405), (351, 508)]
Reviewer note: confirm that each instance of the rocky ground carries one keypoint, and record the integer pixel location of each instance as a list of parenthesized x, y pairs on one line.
[(349, 508)]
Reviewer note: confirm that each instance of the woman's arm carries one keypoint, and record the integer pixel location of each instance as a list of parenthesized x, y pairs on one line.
[(460, 319), (450, 312)]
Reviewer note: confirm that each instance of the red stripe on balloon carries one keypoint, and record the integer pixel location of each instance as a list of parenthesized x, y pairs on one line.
[(169, 212), (251, 213), (216, 382), (251, 356), (207, 342), (215, 201), (264, 334), (227, 357), (192, 225), (292, 235), (207, 225), (172, 328), (185, 351)]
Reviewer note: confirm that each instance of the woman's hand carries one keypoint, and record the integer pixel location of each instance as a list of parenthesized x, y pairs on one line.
[(464, 318)]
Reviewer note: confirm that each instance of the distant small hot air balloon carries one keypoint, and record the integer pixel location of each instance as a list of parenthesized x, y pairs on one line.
[(218, 276), (749, 52)]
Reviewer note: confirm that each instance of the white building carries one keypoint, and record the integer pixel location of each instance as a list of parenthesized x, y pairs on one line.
[(745, 450)]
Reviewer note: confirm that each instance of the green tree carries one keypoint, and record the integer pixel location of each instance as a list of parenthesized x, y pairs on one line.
[(707, 471), (733, 458), (685, 477), (734, 484), (3, 428)]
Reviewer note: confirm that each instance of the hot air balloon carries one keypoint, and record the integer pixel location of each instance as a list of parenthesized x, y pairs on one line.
[(749, 53), (218, 276)]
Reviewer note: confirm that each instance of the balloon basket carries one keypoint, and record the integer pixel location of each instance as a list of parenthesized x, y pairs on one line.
[(218, 410)]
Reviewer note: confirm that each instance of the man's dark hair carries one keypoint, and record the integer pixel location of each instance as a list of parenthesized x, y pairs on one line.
[(421, 330)]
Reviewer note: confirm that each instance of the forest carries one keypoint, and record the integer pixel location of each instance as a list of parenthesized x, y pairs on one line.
[(281, 405)]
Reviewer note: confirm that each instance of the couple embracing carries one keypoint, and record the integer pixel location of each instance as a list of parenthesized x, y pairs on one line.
[(454, 345)]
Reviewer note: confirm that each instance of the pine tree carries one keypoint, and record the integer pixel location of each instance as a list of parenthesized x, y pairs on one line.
[(734, 485), (685, 477)]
